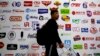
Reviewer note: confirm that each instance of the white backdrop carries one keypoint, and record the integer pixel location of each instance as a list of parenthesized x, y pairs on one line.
[(79, 23)]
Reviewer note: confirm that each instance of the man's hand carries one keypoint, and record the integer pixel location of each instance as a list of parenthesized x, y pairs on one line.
[(61, 45)]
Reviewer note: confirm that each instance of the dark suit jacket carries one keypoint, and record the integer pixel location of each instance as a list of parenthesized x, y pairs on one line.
[(51, 32)]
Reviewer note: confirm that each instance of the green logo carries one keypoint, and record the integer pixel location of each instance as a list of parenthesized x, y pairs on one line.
[(96, 54), (76, 21), (65, 11), (77, 46)]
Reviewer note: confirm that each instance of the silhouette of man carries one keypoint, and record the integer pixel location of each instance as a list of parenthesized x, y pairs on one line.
[(52, 34)]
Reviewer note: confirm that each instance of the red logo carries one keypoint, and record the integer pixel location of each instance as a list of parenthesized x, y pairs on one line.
[(26, 24), (75, 4), (98, 45), (9, 54), (35, 46), (77, 38), (1, 45), (92, 45), (92, 4), (98, 5), (96, 12), (3, 4), (97, 38), (87, 38), (46, 3), (78, 12), (28, 3), (15, 18), (68, 27), (36, 3)]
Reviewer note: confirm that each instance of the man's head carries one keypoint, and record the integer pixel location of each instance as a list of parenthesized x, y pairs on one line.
[(54, 13)]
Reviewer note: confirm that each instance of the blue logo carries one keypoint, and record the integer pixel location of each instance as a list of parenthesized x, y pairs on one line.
[(24, 47), (66, 4), (42, 11), (67, 43), (27, 17), (84, 29), (30, 10), (98, 21), (16, 4), (35, 25)]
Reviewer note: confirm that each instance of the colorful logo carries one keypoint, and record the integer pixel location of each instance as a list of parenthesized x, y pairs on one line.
[(30, 10), (98, 21), (89, 13), (1, 45), (3, 4), (66, 4), (65, 18), (84, 29), (75, 4), (67, 43), (46, 3), (77, 38), (76, 29), (15, 18), (92, 46), (97, 38), (76, 21), (92, 21), (68, 27), (92, 5), (26, 24), (36, 3), (85, 46), (77, 46), (35, 46), (22, 47), (42, 11), (16, 4), (28, 3), (93, 30), (96, 54), (57, 3), (65, 11)]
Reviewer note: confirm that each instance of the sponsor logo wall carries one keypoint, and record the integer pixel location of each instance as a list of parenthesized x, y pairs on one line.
[(79, 26)]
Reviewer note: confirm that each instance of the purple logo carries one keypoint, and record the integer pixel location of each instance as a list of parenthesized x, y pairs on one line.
[(85, 5), (89, 13)]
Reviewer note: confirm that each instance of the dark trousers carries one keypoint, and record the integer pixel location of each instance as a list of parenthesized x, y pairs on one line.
[(53, 50)]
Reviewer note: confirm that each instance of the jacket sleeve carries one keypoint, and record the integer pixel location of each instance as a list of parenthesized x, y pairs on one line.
[(58, 38), (54, 31)]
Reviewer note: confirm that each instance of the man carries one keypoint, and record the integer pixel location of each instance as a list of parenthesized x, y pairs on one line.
[(52, 34)]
